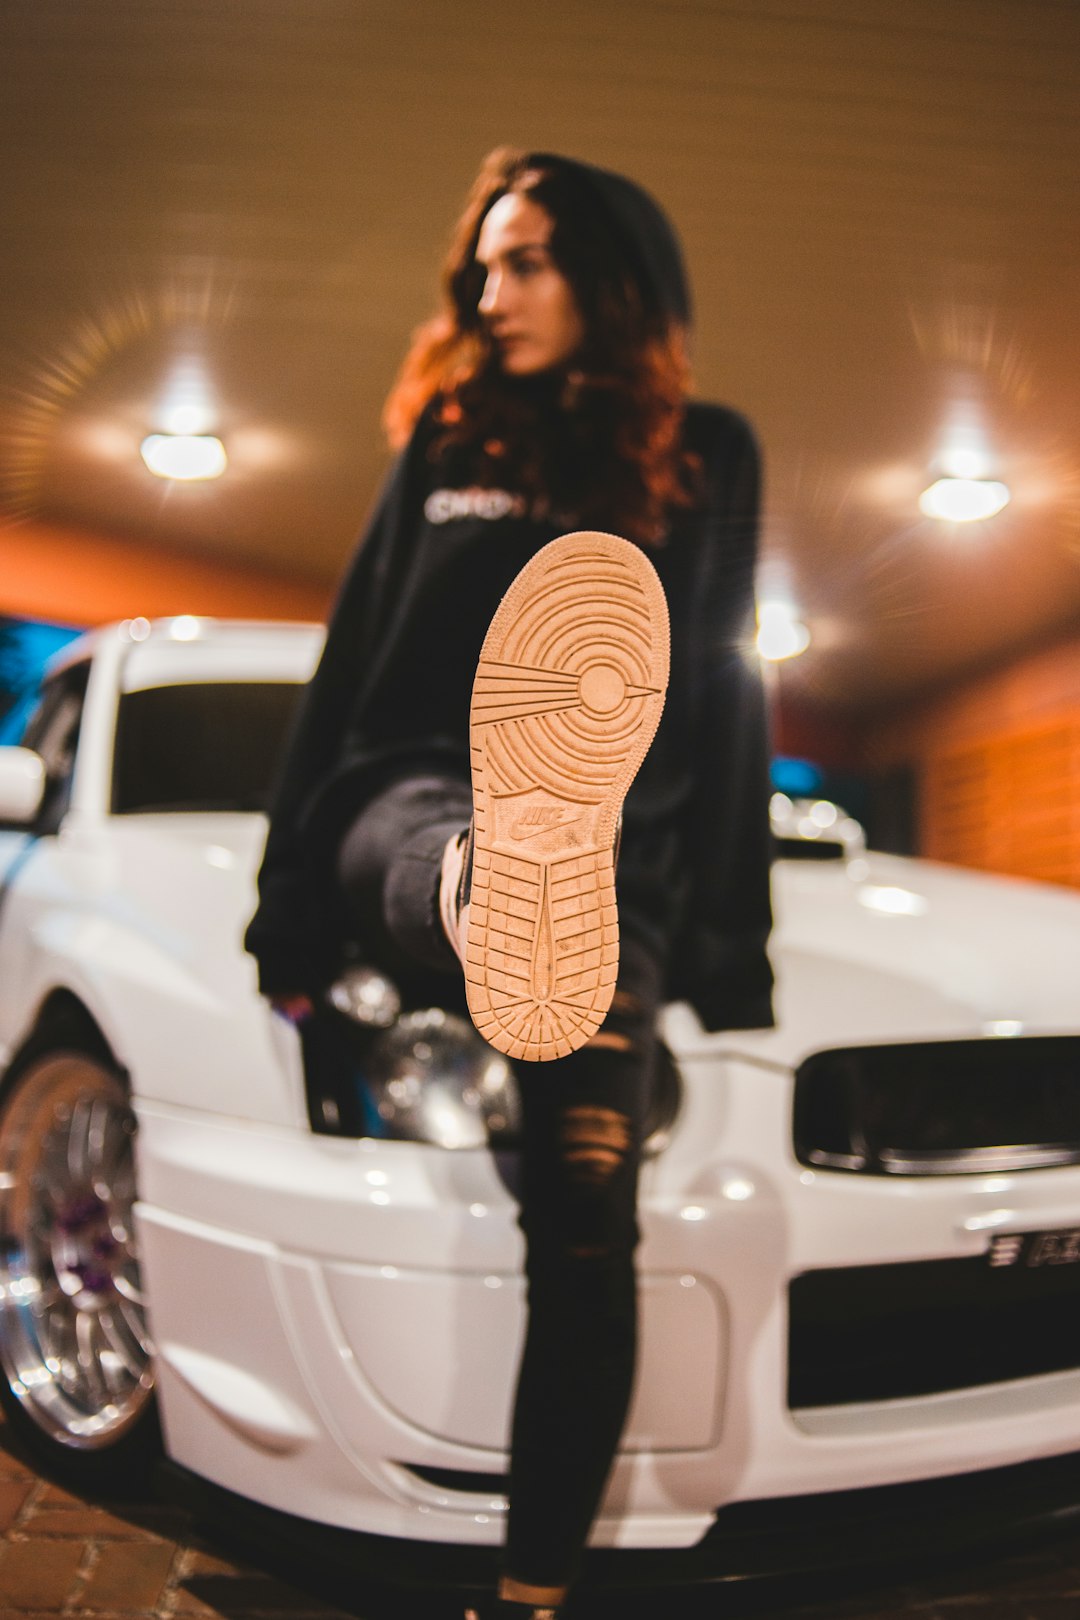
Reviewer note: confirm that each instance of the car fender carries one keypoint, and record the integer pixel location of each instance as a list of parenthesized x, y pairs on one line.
[(179, 1039)]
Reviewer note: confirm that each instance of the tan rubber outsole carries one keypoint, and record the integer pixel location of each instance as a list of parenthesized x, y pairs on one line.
[(568, 695)]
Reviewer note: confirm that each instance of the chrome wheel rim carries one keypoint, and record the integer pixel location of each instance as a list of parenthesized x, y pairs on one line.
[(73, 1336)]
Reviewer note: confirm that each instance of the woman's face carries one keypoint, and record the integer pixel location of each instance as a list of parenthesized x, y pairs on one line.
[(528, 306)]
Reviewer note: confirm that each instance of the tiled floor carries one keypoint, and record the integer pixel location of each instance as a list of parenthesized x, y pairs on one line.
[(63, 1555)]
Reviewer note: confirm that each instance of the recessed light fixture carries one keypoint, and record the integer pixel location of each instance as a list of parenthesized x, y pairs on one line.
[(186, 457), (190, 417), (187, 403), (780, 634), (964, 500)]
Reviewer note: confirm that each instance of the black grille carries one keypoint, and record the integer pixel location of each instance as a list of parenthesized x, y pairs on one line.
[(809, 849), (941, 1107), (879, 1333), (460, 1479)]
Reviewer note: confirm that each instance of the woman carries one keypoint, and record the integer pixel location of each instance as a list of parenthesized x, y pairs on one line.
[(549, 395)]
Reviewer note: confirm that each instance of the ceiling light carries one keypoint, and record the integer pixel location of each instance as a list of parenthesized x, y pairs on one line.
[(186, 418), (780, 634), (964, 500), (184, 456), (965, 450), (187, 404), (964, 461)]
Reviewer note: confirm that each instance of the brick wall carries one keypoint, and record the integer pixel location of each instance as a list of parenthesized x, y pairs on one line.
[(998, 767)]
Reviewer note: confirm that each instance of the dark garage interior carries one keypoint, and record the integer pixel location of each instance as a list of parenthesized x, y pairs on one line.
[(240, 209)]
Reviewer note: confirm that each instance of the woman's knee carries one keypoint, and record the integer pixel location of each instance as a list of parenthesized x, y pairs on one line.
[(588, 1211)]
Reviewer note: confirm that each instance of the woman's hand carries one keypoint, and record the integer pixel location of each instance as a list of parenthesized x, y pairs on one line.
[(293, 1008)]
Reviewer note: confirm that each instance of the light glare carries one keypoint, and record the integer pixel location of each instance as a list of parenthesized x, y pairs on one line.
[(892, 901), (738, 1189), (780, 634), (185, 457), (965, 461), (187, 419), (964, 500)]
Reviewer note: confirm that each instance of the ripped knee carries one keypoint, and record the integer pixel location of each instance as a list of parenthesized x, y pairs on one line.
[(621, 1031), (613, 1039), (595, 1142)]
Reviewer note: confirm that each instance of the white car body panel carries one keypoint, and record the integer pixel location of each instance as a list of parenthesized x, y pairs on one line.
[(329, 1312)]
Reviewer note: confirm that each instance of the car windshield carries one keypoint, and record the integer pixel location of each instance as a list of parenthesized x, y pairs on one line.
[(206, 745)]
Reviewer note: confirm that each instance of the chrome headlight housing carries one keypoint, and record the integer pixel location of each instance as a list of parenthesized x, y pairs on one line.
[(427, 1075), (431, 1078), (366, 996)]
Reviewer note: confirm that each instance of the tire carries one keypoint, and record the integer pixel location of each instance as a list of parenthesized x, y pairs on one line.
[(75, 1352)]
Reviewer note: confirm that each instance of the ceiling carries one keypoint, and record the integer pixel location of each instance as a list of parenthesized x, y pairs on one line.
[(878, 199)]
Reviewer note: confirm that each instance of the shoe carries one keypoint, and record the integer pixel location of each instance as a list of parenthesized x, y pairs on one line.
[(567, 698), (455, 888)]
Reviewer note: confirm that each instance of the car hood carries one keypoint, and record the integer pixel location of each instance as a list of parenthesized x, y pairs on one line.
[(893, 949), (880, 949)]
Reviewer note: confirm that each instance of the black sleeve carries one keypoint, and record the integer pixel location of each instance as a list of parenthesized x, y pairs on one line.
[(294, 934), (721, 965)]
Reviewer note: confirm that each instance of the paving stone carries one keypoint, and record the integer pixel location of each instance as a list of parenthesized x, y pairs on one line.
[(61, 1554), (87, 1522), (13, 1496), (12, 1468), (200, 1560), (185, 1603), (205, 1581), (56, 1496), (128, 1576), (38, 1574), (157, 1519)]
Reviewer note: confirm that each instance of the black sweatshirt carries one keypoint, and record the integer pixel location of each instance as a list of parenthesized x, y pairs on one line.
[(391, 696)]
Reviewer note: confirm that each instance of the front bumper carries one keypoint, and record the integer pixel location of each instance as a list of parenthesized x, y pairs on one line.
[(338, 1323), (776, 1540)]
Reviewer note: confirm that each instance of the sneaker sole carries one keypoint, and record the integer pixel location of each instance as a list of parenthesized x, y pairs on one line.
[(567, 698)]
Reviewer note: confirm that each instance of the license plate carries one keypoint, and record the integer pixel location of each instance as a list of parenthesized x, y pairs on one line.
[(1033, 1249)]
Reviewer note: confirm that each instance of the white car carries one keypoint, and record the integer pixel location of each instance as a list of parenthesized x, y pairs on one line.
[(861, 1230)]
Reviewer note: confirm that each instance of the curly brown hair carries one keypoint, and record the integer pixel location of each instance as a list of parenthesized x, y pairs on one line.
[(598, 443)]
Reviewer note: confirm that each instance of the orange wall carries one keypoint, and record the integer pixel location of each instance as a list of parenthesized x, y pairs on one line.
[(998, 766), (1042, 686), (72, 577)]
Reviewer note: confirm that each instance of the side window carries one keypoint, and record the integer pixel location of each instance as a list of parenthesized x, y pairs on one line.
[(53, 732)]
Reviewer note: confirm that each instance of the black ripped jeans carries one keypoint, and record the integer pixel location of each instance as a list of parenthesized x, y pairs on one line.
[(583, 1125)]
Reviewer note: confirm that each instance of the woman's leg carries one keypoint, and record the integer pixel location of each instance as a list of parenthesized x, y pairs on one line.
[(583, 1125), (389, 865)]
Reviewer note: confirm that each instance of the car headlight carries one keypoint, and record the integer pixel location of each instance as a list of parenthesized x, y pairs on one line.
[(427, 1076), (431, 1078), (366, 996)]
